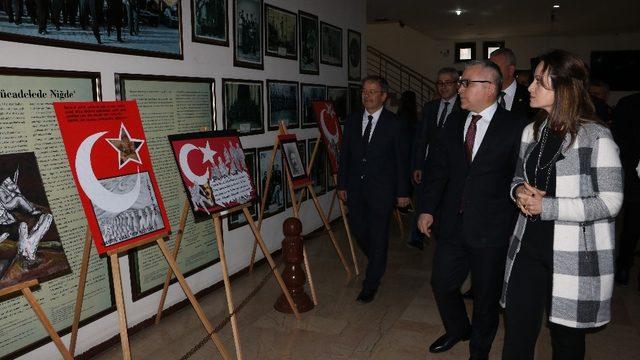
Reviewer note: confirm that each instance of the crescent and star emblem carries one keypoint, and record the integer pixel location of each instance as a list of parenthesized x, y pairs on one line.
[(207, 156), (127, 147)]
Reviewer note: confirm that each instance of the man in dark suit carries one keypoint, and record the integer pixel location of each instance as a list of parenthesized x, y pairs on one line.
[(373, 177), (471, 166), (626, 131), (434, 116), (513, 96)]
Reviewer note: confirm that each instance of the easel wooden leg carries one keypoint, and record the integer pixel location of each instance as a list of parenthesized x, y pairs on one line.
[(328, 227), (272, 263), (312, 287), (122, 315), (227, 286), (187, 291), (333, 201), (176, 249), (347, 227), (84, 267)]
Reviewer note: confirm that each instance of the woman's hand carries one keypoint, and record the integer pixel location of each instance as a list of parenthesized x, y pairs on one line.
[(529, 199)]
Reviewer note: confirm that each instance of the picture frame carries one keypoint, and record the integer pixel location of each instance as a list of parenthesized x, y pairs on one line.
[(155, 20), (355, 98), (309, 41), (464, 51), (309, 93), (275, 197), (242, 106), (280, 31), (490, 46), (292, 158), (237, 219), (354, 55), (318, 172), (340, 97), (282, 103), (247, 34), (302, 150), (330, 44), (210, 22)]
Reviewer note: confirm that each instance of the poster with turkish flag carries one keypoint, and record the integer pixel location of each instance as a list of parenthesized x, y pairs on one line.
[(213, 171), (112, 170), (330, 131)]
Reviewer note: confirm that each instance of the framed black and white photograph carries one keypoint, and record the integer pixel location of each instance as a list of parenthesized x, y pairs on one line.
[(339, 96), (209, 22), (247, 32), (309, 39), (147, 28), (355, 98), (318, 174), (280, 32), (308, 94), (302, 150), (354, 55), (242, 106), (275, 192), (282, 103), (330, 44), (237, 219)]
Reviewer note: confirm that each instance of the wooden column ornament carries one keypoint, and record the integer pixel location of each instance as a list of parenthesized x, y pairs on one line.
[(293, 273)]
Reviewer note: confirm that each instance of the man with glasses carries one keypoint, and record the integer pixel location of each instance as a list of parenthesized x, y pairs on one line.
[(471, 165), (373, 177), (513, 96), (434, 116)]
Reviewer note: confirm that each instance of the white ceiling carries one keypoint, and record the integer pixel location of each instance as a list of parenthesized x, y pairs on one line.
[(499, 19)]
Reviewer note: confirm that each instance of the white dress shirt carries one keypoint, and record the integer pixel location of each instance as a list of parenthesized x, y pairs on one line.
[(449, 108), (481, 126), (374, 121), (510, 94), (638, 169)]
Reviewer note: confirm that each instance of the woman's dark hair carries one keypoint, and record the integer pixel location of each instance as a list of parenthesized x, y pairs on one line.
[(572, 105), (408, 109)]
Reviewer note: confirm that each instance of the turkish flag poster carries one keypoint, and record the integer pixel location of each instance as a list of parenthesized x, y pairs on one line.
[(330, 131), (112, 170), (213, 171)]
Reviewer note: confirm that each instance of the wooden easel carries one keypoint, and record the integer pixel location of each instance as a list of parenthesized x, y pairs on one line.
[(117, 285), (217, 223), (25, 288)]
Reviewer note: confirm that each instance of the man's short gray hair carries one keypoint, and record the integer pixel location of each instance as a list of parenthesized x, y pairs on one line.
[(493, 68), (449, 70), (507, 53), (384, 85)]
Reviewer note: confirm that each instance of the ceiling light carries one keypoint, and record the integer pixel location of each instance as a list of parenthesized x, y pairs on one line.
[(458, 12), (556, 6)]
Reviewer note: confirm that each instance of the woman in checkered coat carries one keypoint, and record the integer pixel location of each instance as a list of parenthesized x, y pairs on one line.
[(568, 186)]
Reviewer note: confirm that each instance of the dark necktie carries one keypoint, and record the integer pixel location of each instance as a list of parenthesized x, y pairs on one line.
[(443, 116), (470, 137), (367, 134), (502, 103)]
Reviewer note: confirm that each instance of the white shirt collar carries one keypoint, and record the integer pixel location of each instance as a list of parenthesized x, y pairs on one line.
[(511, 89), (375, 115), (487, 113)]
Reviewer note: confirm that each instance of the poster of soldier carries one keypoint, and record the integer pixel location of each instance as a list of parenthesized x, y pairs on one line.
[(111, 166), (137, 27), (308, 94), (295, 165), (282, 102), (30, 247), (354, 49), (209, 22), (242, 106), (309, 39), (213, 171), (247, 25), (275, 192), (330, 44), (280, 32)]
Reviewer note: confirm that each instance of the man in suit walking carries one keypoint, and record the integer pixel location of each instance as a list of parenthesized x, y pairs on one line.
[(513, 96), (434, 116), (373, 177), (470, 169)]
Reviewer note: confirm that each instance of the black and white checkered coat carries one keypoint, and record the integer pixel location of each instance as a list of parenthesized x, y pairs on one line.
[(588, 197)]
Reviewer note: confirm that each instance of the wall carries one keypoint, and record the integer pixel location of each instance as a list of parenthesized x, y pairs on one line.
[(200, 60), (425, 54)]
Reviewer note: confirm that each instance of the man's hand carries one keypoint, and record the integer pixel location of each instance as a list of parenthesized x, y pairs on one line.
[(342, 195), (424, 223), (417, 176), (402, 202)]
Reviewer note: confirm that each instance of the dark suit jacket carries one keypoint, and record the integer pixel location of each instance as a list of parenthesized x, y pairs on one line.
[(385, 173), (520, 106), (427, 131), (483, 185), (626, 132)]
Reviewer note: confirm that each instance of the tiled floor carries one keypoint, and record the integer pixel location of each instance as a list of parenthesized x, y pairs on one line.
[(399, 324)]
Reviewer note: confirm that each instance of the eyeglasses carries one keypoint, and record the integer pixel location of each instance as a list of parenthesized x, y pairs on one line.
[(465, 82), (446, 83), (370, 92)]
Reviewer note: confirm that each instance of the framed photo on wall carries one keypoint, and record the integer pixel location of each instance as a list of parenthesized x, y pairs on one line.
[(242, 106), (209, 22), (282, 104), (237, 219), (339, 96), (247, 32), (354, 55), (309, 43), (280, 32), (309, 93), (318, 173), (331, 44), (275, 195), (355, 98)]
